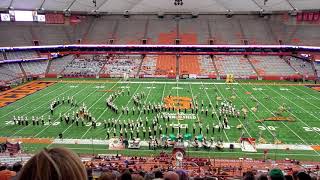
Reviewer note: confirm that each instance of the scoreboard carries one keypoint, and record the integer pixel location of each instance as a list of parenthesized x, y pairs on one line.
[(26, 16)]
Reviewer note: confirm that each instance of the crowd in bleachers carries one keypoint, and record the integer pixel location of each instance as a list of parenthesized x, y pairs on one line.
[(302, 67), (120, 64), (149, 65), (63, 164), (89, 65)]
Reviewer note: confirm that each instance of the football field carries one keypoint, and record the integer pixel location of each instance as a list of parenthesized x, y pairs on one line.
[(298, 104)]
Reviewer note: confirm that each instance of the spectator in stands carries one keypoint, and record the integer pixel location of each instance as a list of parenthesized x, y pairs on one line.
[(248, 176), (158, 175), (303, 176), (288, 177), (108, 176), (54, 164), (126, 175), (5, 173), (262, 177), (16, 168), (171, 176), (276, 174)]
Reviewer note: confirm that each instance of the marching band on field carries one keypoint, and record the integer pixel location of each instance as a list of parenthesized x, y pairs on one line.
[(224, 111)]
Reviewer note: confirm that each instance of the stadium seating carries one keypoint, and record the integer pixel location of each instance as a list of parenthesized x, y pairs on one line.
[(52, 34), (10, 72), (158, 28), (35, 68), (236, 65), (100, 30), (199, 27), (15, 35), (22, 55), (117, 65), (317, 67), (130, 32), (303, 67), (84, 66), (257, 31), (149, 65), (226, 31), (271, 66), (57, 65), (189, 65), (166, 65), (206, 65)]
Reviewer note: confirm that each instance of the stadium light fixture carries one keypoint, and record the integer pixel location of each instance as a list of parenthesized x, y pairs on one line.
[(178, 2)]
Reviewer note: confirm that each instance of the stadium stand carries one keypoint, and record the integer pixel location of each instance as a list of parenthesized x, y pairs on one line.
[(13, 34), (10, 72), (199, 27), (166, 65), (35, 68), (161, 31), (226, 31), (84, 66), (257, 31), (303, 67), (271, 66), (206, 65), (22, 55), (100, 30), (149, 65), (317, 67), (58, 64), (52, 34), (236, 65), (130, 32), (189, 65), (117, 65)]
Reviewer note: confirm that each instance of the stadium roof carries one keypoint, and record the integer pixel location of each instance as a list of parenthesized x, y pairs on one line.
[(162, 6)]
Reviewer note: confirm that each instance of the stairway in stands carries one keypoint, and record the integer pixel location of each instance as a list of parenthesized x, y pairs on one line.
[(215, 66), (254, 68), (140, 65), (48, 66), (22, 70)]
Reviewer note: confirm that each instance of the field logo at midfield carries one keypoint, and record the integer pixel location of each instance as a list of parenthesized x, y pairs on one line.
[(178, 102)]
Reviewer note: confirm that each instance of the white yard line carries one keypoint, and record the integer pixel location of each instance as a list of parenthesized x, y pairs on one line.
[(140, 111), (281, 121), (304, 100), (216, 113), (225, 99), (21, 129), (245, 104), (164, 88), (36, 99), (89, 109), (296, 105), (68, 110), (106, 110), (315, 97)]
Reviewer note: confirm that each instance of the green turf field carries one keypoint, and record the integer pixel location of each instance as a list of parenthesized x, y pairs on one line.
[(302, 101)]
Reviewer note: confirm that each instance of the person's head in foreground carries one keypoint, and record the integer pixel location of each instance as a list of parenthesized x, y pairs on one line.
[(276, 174), (54, 164)]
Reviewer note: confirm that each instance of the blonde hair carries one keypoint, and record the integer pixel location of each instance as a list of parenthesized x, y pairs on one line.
[(54, 164)]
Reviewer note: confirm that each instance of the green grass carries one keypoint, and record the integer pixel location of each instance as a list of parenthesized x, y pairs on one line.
[(303, 101)]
